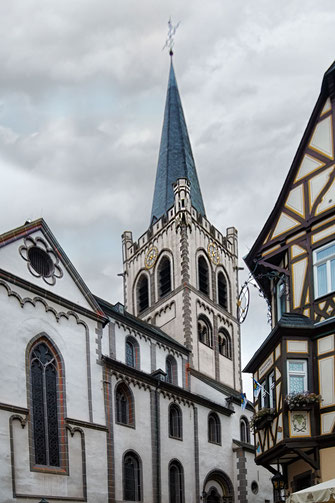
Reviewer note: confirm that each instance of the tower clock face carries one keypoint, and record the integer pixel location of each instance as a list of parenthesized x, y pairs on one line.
[(213, 253), (151, 257)]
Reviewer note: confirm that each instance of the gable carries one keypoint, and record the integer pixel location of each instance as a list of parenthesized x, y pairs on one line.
[(309, 190), (32, 255)]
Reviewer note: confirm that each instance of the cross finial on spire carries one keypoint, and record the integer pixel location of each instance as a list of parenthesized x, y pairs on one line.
[(170, 36)]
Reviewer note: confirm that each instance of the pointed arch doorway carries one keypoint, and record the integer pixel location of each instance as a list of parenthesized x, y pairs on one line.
[(218, 488)]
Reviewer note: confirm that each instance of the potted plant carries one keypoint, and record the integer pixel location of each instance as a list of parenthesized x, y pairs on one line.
[(305, 400), (262, 418)]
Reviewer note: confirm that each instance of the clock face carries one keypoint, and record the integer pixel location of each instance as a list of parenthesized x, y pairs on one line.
[(213, 253), (151, 257), (243, 303)]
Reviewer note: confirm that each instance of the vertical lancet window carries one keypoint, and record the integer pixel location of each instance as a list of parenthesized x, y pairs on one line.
[(222, 291), (132, 353), (44, 375), (171, 370), (142, 293), (175, 421), (164, 276), (224, 343), (131, 477), (214, 428), (176, 482), (244, 430), (124, 402), (203, 274), (205, 331)]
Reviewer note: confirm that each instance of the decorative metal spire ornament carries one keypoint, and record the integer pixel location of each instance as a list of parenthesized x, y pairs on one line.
[(170, 36)]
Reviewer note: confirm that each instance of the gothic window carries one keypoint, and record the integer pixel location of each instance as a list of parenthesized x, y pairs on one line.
[(203, 273), (175, 421), (124, 405), (244, 430), (205, 331), (214, 428), (132, 353), (142, 293), (44, 376), (176, 482), (164, 277), (131, 477), (222, 291), (224, 343), (171, 370)]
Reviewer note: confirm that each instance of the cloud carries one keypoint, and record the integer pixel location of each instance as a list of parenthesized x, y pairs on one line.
[(82, 91)]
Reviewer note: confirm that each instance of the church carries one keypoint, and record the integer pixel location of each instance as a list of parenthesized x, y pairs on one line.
[(137, 401)]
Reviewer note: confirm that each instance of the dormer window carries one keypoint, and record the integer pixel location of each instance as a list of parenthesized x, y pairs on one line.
[(324, 270)]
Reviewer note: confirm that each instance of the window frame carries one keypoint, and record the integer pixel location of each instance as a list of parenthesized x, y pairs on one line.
[(173, 407), (201, 282), (141, 277), (214, 436), (297, 373), (222, 332), (164, 258), (224, 283), (279, 296), (244, 423), (138, 481), (181, 499), (130, 404), (62, 467), (320, 262), (202, 318), (171, 378)]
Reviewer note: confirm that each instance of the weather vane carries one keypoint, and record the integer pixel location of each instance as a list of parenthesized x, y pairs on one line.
[(170, 36)]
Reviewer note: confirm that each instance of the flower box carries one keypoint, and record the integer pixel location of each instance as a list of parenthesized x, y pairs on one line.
[(262, 419), (302, 401)]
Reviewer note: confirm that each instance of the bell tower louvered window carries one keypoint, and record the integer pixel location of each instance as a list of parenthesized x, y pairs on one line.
[(164, 276), (142, 293), (44, 397), (203, 276), (222, 291)]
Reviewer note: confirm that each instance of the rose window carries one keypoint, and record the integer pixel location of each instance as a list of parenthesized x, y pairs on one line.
[(42, 261)]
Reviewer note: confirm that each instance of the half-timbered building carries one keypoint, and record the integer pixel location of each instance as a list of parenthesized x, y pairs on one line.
[(293, 262)]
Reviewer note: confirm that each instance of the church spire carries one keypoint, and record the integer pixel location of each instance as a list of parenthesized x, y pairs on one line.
[(175, 156)]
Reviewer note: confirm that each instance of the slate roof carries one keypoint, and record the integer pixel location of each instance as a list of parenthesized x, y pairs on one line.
[(175, 156)]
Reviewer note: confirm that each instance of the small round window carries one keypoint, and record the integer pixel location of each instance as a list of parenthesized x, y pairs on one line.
[(254, 487), (40, 261)]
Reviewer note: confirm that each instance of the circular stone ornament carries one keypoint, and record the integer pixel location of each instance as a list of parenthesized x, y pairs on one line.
[(42, 261), (151, 257), (213, 253)]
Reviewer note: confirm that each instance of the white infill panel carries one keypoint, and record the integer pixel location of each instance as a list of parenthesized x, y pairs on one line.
[(284, 224), (329, 231), (322, 139), (326, 379), (298, 280), (327, 422), (295, 201), (327, 107), (308, 165), (297, 346), (296, 251), (326, 344), (328, 200), (317, 183)]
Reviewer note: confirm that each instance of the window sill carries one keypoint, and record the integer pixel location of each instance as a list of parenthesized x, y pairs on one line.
[(56, 470), (176, 438), (126, 425), (207, 345), (214, 443)]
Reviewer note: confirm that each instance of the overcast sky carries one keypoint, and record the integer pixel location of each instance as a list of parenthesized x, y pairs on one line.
[(82, 93)]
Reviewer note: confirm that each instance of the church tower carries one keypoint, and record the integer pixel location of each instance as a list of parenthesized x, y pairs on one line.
[(181, 275)]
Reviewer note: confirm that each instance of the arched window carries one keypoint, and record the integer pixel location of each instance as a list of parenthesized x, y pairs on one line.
[(224, 343), (124, 405), (214, 428), (222, 290), (205, 331), (142, 292), (171, 370), (175, 421), (131, 477), (244, 430), (47, 407), (132, 353), (164, 276), (176, 482), (213, 496), (203, 275)]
